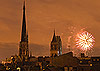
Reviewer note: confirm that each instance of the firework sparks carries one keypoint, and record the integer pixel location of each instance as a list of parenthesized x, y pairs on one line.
[(84, 41)]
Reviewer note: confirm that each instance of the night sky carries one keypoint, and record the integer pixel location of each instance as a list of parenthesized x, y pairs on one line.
[(67, 17)]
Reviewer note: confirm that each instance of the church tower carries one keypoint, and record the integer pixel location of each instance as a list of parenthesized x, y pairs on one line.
[(23, 47), (56, 46)]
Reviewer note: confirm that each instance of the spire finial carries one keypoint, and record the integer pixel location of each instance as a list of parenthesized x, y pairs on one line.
[(24, 5), (54, 32), (23, 37), (54, 36)]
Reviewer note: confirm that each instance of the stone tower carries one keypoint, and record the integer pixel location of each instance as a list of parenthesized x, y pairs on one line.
[(56, 46), (23, 47)]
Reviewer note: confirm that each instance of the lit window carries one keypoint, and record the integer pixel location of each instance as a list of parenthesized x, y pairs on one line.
[(9, 68), (70, 68), (88, 61), (90, 64), (18, 68), (94, 60), (58, 52), (80, 61), (97, 59), (66, 68)]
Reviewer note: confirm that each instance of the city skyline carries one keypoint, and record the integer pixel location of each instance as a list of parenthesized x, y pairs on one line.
[(42, 20)]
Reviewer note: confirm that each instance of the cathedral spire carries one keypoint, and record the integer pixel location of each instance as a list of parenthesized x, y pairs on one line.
[(23, 48), (54, 37), (23, 34), (54, 33)]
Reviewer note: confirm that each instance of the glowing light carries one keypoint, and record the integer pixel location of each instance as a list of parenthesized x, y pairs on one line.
[(90, 64), (84, 41)]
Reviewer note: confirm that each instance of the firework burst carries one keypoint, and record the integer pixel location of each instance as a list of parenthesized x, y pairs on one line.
[(84, 41)]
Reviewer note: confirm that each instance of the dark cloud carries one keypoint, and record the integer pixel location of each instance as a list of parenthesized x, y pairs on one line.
[(9, 49)]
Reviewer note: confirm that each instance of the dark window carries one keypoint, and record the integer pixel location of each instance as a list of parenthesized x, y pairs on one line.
[(51, 48), (52, 55), (51, 45), (82, 69), (55, 55), (55, 48)]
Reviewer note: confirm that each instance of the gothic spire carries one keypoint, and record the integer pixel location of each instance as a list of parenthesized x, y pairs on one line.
[(23, 34), (54, 33), (54, 37)]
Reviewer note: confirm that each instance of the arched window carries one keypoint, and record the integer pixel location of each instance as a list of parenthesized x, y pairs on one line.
[(51, 45), (55, 55), (55, 45), (55, 48), (52, 55), (51, 48)]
